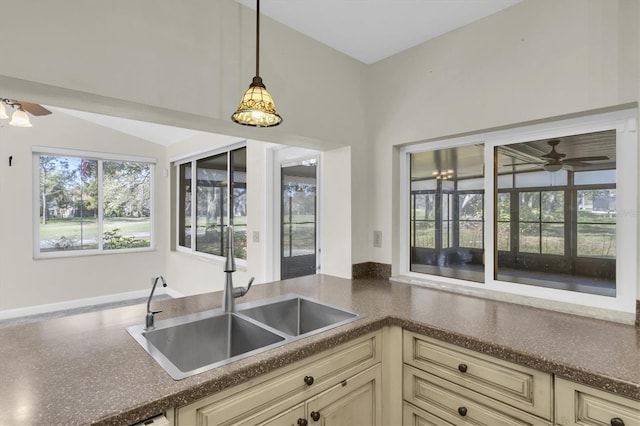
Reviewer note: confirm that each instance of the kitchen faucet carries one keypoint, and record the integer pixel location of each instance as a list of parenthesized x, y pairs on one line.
[(150, 314), (229, 293)]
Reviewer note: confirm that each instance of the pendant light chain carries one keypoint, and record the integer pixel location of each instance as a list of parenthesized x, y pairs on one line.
[(258, 38)]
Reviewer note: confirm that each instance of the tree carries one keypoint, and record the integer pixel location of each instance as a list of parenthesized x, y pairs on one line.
[(126, 188), (56, 177)]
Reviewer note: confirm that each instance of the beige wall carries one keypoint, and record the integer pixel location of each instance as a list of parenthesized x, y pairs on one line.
[(534, 61), (25, 281), (188, 66), (197, 57)]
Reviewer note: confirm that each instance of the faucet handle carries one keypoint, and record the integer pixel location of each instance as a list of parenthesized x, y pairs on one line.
[(241, 291), (154, 312)]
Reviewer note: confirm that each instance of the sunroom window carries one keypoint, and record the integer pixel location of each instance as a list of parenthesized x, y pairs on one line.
[(213, 194), (446, 212), (545, 211), (561, 223)]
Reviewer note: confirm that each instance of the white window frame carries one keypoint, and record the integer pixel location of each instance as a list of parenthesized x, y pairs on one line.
[(193, 158), (625, 124), (38, 151)]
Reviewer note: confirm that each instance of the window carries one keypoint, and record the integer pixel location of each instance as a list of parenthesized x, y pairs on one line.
[(446, 212), (90, 204), (563, 228), (596, 220), (544, 223), (541, 222), (213, 194)]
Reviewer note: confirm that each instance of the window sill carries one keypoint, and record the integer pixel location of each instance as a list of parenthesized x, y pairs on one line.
[(476, 290), (241, 264), (86, 253)]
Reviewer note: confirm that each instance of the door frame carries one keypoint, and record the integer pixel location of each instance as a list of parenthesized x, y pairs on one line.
[(290, 156)]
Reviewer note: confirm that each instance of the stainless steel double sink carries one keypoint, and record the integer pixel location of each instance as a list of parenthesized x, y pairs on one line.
[(194, 343)]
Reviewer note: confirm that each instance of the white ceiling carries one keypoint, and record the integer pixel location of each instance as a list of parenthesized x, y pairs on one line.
[(371, 30), (152, 132)]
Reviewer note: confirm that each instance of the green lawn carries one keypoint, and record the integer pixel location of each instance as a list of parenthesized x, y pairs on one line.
[(55, 229), (597, 240)]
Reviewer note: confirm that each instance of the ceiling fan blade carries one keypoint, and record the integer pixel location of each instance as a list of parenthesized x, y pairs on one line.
[(532, 163), (576, 164), (583, 159), (34, 109)]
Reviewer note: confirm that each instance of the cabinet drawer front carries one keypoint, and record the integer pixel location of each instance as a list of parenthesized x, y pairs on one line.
[(414, 416), (284, 387), (582, 405), (459, 405), (289, 417), (522, 387)]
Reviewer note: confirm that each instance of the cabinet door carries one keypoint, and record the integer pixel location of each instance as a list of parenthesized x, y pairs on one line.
[(580, 405), (355, 401)]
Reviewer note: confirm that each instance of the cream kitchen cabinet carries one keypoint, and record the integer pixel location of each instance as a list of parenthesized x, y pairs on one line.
[(578, 404), (357, 401), (446, 384), (333, 387)]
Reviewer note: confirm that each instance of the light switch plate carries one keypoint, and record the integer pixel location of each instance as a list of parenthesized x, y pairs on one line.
[(256, 236), (377, 238)]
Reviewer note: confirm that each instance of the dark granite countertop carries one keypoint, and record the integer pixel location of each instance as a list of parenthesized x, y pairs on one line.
[(86, 369)]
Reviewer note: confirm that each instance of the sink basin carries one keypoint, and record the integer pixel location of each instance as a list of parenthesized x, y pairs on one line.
[(187, 345), (296, 315), (194, 343)]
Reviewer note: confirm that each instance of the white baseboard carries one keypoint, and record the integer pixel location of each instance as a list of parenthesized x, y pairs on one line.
[(80, 303)]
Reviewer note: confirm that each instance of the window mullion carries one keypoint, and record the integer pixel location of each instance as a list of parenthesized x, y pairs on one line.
[(100, 206), (194, 204), (540, 222)]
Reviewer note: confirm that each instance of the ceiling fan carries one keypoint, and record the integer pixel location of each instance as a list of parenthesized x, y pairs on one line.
[(19, 118), (554, 160)]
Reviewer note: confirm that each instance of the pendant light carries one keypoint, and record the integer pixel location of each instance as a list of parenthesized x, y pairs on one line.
[(257, 107)]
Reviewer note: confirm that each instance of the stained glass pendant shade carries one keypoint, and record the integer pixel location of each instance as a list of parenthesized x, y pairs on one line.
[(257, 108)]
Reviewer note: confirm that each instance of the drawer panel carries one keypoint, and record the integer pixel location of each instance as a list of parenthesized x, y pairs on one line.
[(414, 416), (582, 405), (286, 386), (522, 387), (458, 405)]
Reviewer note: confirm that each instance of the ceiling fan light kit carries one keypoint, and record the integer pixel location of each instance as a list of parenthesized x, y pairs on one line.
[(552, 167), (3, 111), (257, 108), (20, 118)]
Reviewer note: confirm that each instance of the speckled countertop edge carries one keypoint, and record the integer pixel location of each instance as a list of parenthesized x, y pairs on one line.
[(569, 372), (244, 370), (300, 350), (498, 329)]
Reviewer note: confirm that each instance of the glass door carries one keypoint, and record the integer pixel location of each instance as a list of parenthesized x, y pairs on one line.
[(298, 219)]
